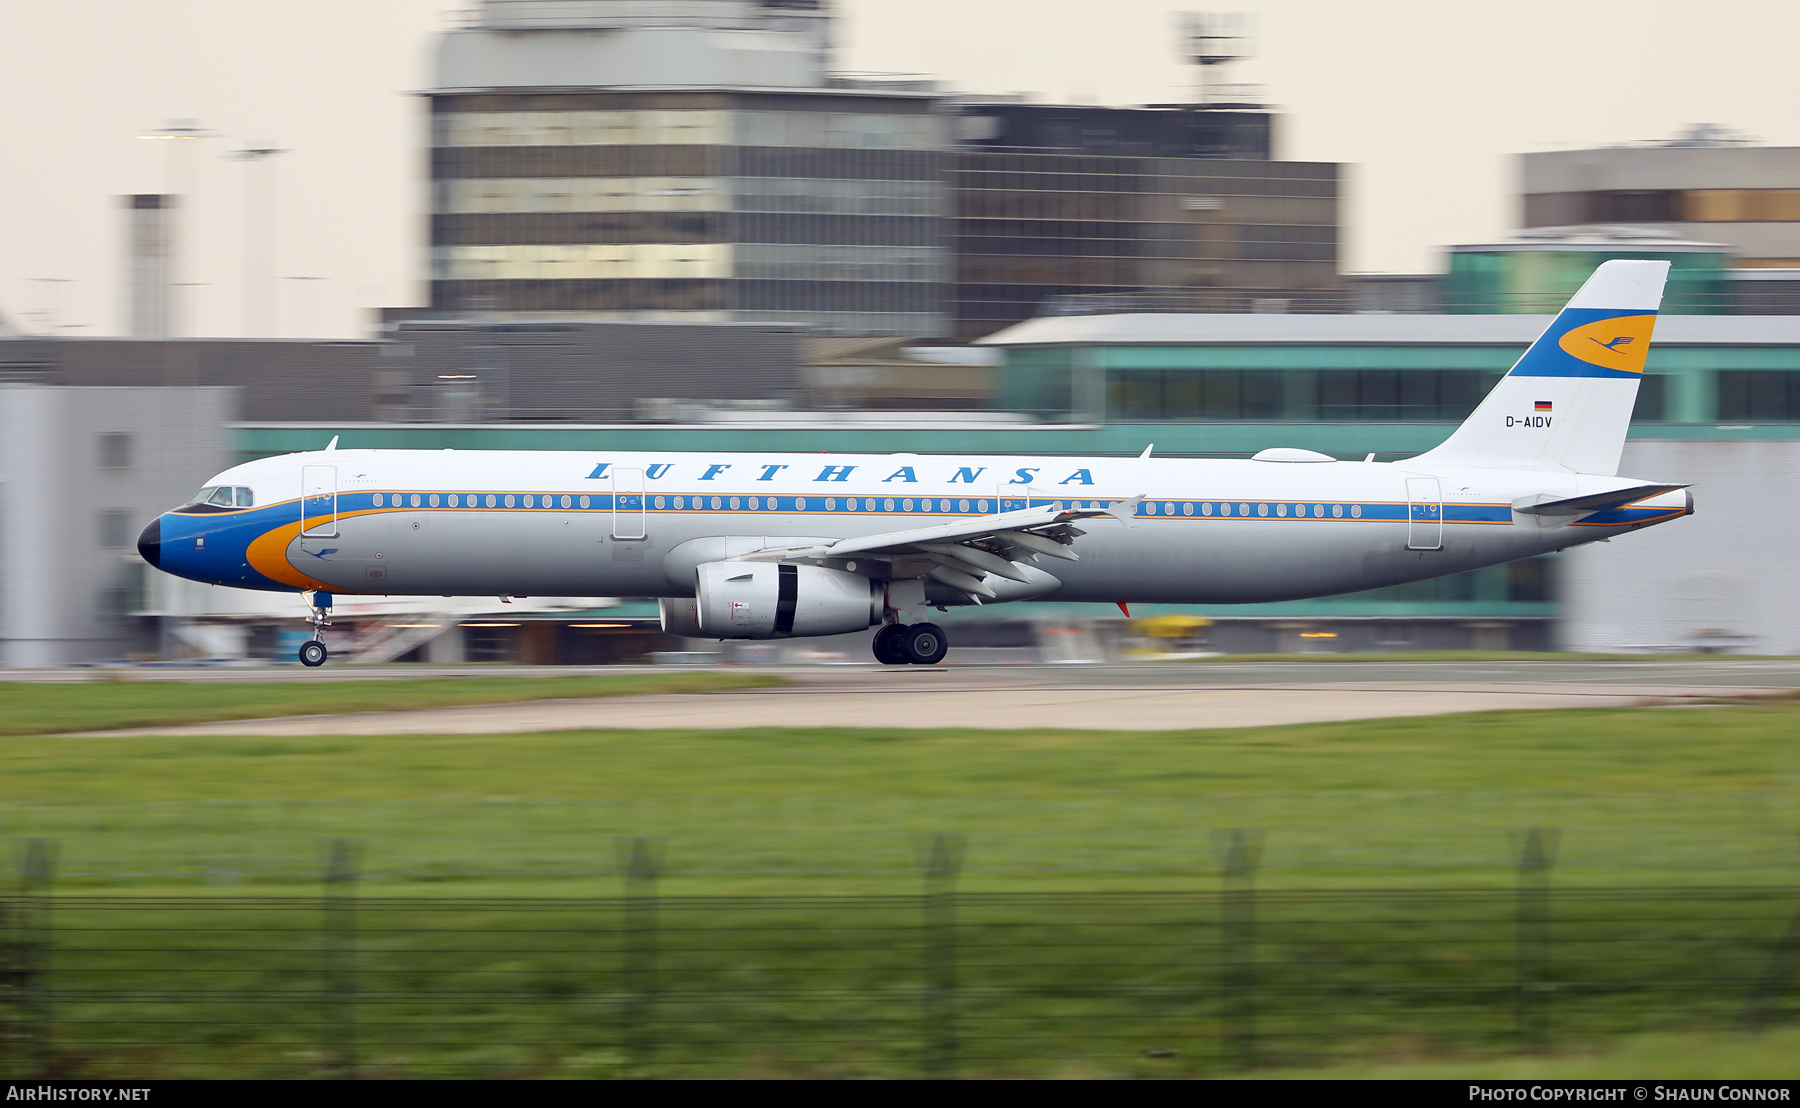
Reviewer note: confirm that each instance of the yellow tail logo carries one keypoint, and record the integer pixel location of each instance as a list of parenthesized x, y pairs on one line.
[(1620, 344)]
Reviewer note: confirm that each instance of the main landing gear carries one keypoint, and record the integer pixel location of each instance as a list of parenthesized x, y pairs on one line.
[(318, 606), (921, 644)]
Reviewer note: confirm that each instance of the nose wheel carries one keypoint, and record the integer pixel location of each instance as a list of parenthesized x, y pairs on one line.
[(318, 608), (921, 644)]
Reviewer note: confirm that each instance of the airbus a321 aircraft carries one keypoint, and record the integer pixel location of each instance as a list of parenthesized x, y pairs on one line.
[(764, 546)]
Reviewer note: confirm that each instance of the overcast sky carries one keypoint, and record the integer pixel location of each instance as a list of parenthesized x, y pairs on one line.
[(1423, 99)]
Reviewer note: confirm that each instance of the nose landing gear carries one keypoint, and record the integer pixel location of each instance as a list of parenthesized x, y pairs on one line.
[(318, 606), (921, 644)]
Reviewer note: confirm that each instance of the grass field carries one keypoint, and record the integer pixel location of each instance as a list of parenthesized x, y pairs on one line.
[(29, 708), (1636, 1058), (1077, 985), (1093, 937), (1641, 796)]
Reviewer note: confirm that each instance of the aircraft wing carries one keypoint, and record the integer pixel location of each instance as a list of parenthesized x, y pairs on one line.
[(960, 554)]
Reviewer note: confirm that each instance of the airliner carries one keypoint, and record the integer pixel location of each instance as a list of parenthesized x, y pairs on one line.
[(770, 545)]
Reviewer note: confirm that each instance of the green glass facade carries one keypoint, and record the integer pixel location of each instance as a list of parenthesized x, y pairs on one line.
[(1525, 282), (1347, 387)]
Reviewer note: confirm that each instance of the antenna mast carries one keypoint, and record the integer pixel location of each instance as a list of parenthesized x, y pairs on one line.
[(1210, 41)]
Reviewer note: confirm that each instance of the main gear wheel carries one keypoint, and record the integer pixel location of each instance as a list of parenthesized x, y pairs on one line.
[(924, 644), (889, 643)]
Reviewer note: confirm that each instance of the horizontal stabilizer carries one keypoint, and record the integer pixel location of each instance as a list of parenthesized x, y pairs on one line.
[(1593, 502)]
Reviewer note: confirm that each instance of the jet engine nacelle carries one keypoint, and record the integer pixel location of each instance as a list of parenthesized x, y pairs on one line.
[(769, 600)]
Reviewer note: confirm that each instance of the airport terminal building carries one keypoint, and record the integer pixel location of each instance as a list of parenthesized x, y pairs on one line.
[(1708, 187), (699, 161)]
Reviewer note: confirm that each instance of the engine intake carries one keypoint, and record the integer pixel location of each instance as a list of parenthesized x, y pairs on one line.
[(768, 600)]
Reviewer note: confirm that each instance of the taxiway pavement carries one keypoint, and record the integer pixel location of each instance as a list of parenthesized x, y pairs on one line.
[(1142, 697)]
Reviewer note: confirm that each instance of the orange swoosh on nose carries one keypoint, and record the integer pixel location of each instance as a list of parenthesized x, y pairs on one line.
[(267, 555)]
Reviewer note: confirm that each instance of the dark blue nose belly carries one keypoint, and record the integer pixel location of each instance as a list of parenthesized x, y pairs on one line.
[(150, 543)]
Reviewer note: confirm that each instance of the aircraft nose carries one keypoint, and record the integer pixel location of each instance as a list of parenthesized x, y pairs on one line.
[(149, 543)]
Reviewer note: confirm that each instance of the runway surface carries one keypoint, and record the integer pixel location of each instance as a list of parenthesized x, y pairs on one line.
[(1144, 697)]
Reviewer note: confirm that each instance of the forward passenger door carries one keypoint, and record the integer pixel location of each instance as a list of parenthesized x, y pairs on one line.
[(318, 502)]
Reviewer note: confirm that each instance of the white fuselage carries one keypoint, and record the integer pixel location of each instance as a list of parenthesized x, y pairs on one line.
[(401, 522)]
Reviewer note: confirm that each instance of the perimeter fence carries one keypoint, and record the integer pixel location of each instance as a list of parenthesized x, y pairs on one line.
[(934, 983)]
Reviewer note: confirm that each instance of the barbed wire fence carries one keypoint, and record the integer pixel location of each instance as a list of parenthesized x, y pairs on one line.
[(938, 982), (1764, 1005), (25, 1015), (338, 975)]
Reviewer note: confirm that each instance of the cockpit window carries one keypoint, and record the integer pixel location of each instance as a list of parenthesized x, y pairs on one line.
[(219, 497)]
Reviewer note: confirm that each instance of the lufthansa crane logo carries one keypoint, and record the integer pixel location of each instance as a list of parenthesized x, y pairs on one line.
[(1618, 344)]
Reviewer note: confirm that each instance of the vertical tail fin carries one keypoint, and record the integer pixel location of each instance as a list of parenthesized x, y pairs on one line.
[(1567, 403)]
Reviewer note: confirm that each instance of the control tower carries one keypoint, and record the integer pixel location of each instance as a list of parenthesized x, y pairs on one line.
[(617, 43)]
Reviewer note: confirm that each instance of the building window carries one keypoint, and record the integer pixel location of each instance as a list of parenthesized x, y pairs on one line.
[(1635, 206), (115, 530), (1652, 400), (1741, 205), (115, 450), (1759, 396), (1194, 394), (1442, 395), (1532, 580), (489, 644), (1446, 395)]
